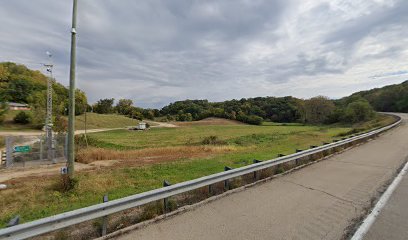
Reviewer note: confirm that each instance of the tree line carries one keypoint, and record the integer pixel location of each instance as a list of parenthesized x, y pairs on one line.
[(391, 98), (22, 85), (317, 110)]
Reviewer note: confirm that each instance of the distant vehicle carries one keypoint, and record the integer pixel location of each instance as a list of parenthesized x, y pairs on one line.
[(141, 126)]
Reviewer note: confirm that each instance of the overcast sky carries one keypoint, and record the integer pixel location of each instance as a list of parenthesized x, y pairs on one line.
[(158, 51)]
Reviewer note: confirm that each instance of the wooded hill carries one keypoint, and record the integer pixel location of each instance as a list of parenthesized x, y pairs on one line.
[(391, 98), (22, 85)]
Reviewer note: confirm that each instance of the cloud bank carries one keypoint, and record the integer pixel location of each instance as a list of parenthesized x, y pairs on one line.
[(159, 51)]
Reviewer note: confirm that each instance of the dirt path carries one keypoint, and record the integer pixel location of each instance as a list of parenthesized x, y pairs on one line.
[(154, 124), (320, 201)]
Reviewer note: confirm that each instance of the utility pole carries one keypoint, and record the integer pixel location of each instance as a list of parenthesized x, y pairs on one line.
[(48, 119), (71, 114)]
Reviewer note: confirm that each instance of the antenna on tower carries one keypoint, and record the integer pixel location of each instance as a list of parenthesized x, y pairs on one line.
[(48, 120)]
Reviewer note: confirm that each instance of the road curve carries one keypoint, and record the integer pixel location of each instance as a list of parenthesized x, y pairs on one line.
[(321, 201)]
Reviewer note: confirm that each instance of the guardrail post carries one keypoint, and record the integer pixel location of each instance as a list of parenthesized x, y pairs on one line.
[(14, 221), (281, 155), (3, 158), (9, 151), (226, 182), (256, 173), (166, 200), (325, 143), (297, 159), (41, 148), (210, 190), (105, 218), (313, 146)]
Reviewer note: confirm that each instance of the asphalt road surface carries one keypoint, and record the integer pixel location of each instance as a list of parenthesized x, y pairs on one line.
[(321, 201)]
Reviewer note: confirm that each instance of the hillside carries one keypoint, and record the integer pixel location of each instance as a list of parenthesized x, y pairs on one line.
[(391, 98), (22, 85), (95, 121)]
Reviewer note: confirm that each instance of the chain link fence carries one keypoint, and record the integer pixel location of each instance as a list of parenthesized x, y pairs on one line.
[(24, 151)]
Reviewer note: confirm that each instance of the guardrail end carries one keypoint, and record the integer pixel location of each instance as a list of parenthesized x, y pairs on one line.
[(14, 221)]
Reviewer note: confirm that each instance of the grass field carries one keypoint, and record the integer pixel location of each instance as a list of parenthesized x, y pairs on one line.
[(94, 121), (9, 125), (149, 157)]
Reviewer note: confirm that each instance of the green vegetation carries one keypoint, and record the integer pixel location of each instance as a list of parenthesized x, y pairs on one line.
[(22, 85), (204, 150), (191, 135), (95, 121), (392, 98), (9, 124), (23, 117), (40, 198)]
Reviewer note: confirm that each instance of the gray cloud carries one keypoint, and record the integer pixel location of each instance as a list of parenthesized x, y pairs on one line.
[(159, 51)]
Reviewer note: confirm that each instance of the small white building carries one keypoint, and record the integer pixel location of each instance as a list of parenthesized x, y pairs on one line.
[(18, 106), (142, 126)]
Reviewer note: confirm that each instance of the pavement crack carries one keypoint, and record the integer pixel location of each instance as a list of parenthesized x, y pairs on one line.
[(324, 192), (364, 165)]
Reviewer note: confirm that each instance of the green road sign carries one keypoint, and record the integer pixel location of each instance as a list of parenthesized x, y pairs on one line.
[(22, 148)]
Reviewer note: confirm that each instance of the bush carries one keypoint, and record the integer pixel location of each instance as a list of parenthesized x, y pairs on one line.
[(252, 119), (212, 140), (184, 117), (65, 184), (60, 125), (358, 111), (23, 118)]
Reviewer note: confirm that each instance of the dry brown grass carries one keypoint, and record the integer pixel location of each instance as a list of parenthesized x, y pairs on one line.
[(150, 155)]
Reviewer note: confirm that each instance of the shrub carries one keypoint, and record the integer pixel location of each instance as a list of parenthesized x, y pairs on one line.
[(212, 140), (184, 117), (359, 111), (23, 117), (65, 184), (60, 125), (251, 119)]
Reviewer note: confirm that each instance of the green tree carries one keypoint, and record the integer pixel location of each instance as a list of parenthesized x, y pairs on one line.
[(3, 111), (23, 117), (124, 106), (104, 106), (318, 109), (359, 111)]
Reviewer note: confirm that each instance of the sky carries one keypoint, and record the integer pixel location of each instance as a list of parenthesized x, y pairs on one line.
[(159, 51)]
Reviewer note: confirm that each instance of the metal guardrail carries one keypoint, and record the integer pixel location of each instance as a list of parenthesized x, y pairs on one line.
[(63, 220)]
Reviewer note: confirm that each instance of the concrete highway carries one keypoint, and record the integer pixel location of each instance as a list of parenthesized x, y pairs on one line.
[(322, 201), (392, 222)]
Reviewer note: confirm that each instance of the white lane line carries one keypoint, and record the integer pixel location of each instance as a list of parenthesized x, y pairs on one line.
[(370, 219)]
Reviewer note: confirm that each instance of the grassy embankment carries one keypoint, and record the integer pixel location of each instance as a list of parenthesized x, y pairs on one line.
[(9, 125), (236, 146), (94, 121)]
